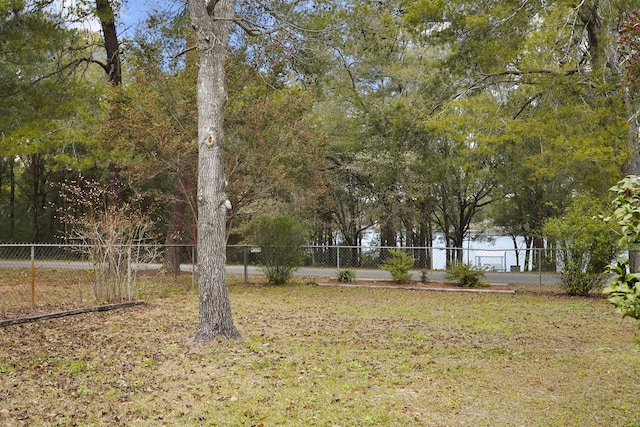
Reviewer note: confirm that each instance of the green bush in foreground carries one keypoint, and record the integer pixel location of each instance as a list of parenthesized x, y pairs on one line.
[(398, 265), (624, 290), (465, 274)]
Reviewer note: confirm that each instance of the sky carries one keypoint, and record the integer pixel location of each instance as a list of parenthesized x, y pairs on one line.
[(131, 13)]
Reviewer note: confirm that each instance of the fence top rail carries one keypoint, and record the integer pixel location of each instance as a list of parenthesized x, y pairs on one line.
[(191, 245), (55, 245), (412, 247), (86, 245), (397, 247)]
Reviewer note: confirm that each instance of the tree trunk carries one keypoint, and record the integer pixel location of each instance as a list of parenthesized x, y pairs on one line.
[(514, 239), (12, 200), (212, 37), (104, 12), (35, 191), (528, 253), (113, 69)]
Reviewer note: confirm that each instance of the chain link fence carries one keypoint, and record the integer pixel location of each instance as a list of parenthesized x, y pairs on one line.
[(435, 258), (533, 270), (39, 278)]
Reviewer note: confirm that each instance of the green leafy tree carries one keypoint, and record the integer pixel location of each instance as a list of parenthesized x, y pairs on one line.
[(274, 152), (543, 81), (464, 166), (45, 114), (151, 124), (372, 110)]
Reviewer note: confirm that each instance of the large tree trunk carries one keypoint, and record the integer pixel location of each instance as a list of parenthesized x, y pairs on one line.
[(37, 172), (113, 69), (12, 200), (104, 12), (212, 28)]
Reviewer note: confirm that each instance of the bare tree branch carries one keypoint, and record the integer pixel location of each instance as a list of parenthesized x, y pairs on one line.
[(184, 52), (525, 105), (70, 66), (484, 81), (252, 28)]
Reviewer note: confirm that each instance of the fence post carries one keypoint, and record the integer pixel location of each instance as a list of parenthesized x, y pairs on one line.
[(338, 257), (540, 253), (246, 263), (193, 267), (129, 273), (33, 276)]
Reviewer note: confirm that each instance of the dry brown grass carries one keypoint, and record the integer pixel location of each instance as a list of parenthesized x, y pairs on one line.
[(328, 357), (65, 289)]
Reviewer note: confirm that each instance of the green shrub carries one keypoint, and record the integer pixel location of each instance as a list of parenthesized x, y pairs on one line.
[(584, 244), (580, 283), (346, 276), (466, 275), (280, 240), (398, 264), (624, 291)]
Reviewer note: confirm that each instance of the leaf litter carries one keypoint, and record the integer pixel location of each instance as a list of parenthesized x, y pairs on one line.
[(327, 356)]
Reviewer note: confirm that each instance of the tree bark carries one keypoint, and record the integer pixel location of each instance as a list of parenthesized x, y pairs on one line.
[(113, 69), (212, 34), (104, 12), (37, 169), (12, 199)]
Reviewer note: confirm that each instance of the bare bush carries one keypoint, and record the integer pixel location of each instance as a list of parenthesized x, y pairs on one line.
[(110, 231)]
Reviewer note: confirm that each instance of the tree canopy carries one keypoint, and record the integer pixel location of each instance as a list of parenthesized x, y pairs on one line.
[(407, 117)]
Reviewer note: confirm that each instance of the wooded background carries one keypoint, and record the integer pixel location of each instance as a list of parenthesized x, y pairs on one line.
[(408, 116)]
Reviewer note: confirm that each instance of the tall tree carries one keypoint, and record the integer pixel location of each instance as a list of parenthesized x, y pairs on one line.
[(630, 48), (44, 112), (107, 18), (212, 22), (548, 77), (113, 68)]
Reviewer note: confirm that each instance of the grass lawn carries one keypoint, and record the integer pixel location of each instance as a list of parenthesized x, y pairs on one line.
[(317, 356)]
